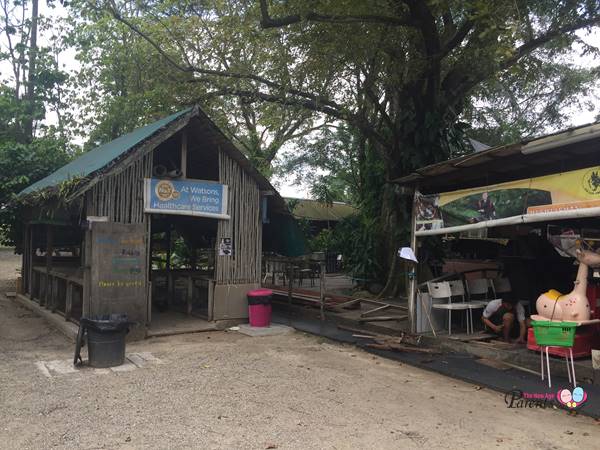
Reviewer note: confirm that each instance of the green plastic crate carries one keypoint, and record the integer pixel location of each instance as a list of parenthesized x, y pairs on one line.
[(554, 334)]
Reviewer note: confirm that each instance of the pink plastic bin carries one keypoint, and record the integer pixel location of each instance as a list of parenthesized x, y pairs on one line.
[(259, 307)]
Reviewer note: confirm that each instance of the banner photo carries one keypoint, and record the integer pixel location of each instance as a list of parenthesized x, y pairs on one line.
[(574, 190), (185, 197)]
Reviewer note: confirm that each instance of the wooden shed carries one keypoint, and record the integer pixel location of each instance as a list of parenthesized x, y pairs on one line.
[(163, 222)]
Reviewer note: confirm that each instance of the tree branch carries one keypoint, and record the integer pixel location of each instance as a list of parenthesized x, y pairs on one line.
[(546, 37), (458, 82), (340, 114), (219, 73)]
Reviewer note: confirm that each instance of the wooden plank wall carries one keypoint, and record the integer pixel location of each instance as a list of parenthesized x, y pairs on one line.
[(120, 196), (244, 226)]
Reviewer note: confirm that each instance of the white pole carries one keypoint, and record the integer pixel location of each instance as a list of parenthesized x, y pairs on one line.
[(412, 280), (516, 220)]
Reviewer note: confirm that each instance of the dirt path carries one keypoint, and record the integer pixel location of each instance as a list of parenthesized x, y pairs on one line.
[(9, 263), (226, 390)]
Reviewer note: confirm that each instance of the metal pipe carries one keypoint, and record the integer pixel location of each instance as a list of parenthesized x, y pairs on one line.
[(517, 220), (412, 280)]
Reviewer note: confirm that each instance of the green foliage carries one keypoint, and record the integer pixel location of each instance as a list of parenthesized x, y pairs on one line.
[(530, 99), (21, 165), (125, 82), (30, 149), (358, 239), (325, 240)]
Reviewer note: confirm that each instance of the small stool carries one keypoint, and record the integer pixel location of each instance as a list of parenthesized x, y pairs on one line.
[(568, 358)]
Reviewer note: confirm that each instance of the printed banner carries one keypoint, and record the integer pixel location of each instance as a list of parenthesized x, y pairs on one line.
[(565, 191), (186, 198)]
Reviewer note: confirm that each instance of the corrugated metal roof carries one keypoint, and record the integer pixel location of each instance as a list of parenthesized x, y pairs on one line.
[(101, 156), (565, 150), (315, 210)]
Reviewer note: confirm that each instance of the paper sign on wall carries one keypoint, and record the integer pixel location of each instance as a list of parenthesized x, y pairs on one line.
[(225, 247)]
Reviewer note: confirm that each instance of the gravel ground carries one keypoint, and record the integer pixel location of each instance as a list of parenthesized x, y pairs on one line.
[(9, 263), (227, 390)]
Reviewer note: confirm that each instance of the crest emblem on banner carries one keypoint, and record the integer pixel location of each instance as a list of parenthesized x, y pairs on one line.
[(591, 181), (166, 191)]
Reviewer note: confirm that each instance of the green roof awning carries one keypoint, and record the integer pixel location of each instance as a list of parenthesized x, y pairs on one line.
[(319, 211), (101, 156)]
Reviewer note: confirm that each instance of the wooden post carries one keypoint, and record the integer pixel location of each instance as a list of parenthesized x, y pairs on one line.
[(49, 250), (147, 220), (54, 294), (190, 294), (322, 289), (412, 284), (87, 274), (290, 272), (69, 300), (184, 149), (211, 300), (24, 263), (170, 284), (30, 257)]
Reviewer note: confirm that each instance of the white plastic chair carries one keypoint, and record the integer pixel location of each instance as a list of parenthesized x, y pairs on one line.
[(479, 287), (457, 289), (442, 291)]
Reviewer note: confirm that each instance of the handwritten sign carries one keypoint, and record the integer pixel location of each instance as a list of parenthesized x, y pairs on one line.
[(118, 270), (186, 198)]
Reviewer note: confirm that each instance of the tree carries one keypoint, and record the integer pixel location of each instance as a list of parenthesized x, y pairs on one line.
[(124, 81), (29, 148), (529, 100), (400, 72)]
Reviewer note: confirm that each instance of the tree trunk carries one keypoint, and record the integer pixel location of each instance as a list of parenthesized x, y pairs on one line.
[(394, 228), (28, 125)]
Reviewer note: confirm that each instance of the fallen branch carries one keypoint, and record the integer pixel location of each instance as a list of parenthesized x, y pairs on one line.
[(403, 348)]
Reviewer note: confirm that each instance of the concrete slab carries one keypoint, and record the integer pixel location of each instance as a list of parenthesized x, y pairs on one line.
[(133, 361), (125, 367), (61, 367), (273, 330)]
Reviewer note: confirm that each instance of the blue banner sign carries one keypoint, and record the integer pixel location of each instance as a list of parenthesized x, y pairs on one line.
[(185, 197)]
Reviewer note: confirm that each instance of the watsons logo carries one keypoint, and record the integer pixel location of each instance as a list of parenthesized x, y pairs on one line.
[(166, 191), (591, 181)]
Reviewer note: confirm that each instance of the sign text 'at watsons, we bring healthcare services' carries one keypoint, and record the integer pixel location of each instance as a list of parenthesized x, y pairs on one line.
[(185, 197)]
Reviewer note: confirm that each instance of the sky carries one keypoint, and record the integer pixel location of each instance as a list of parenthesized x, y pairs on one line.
[(286, 185)]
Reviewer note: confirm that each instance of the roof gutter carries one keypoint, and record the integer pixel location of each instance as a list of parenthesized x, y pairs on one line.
[(570, 137)]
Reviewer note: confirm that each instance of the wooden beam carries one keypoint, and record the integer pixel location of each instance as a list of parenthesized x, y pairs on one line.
[(374, 310), (184, 151), (69, 300), (322, 289), (49, 250), (170, 281), (382, 318), (190, 294)]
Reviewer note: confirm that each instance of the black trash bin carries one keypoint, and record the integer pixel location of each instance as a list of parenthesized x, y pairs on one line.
[(106, 339)]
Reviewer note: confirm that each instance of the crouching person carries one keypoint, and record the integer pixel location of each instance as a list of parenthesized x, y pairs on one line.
[(506, 318)]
